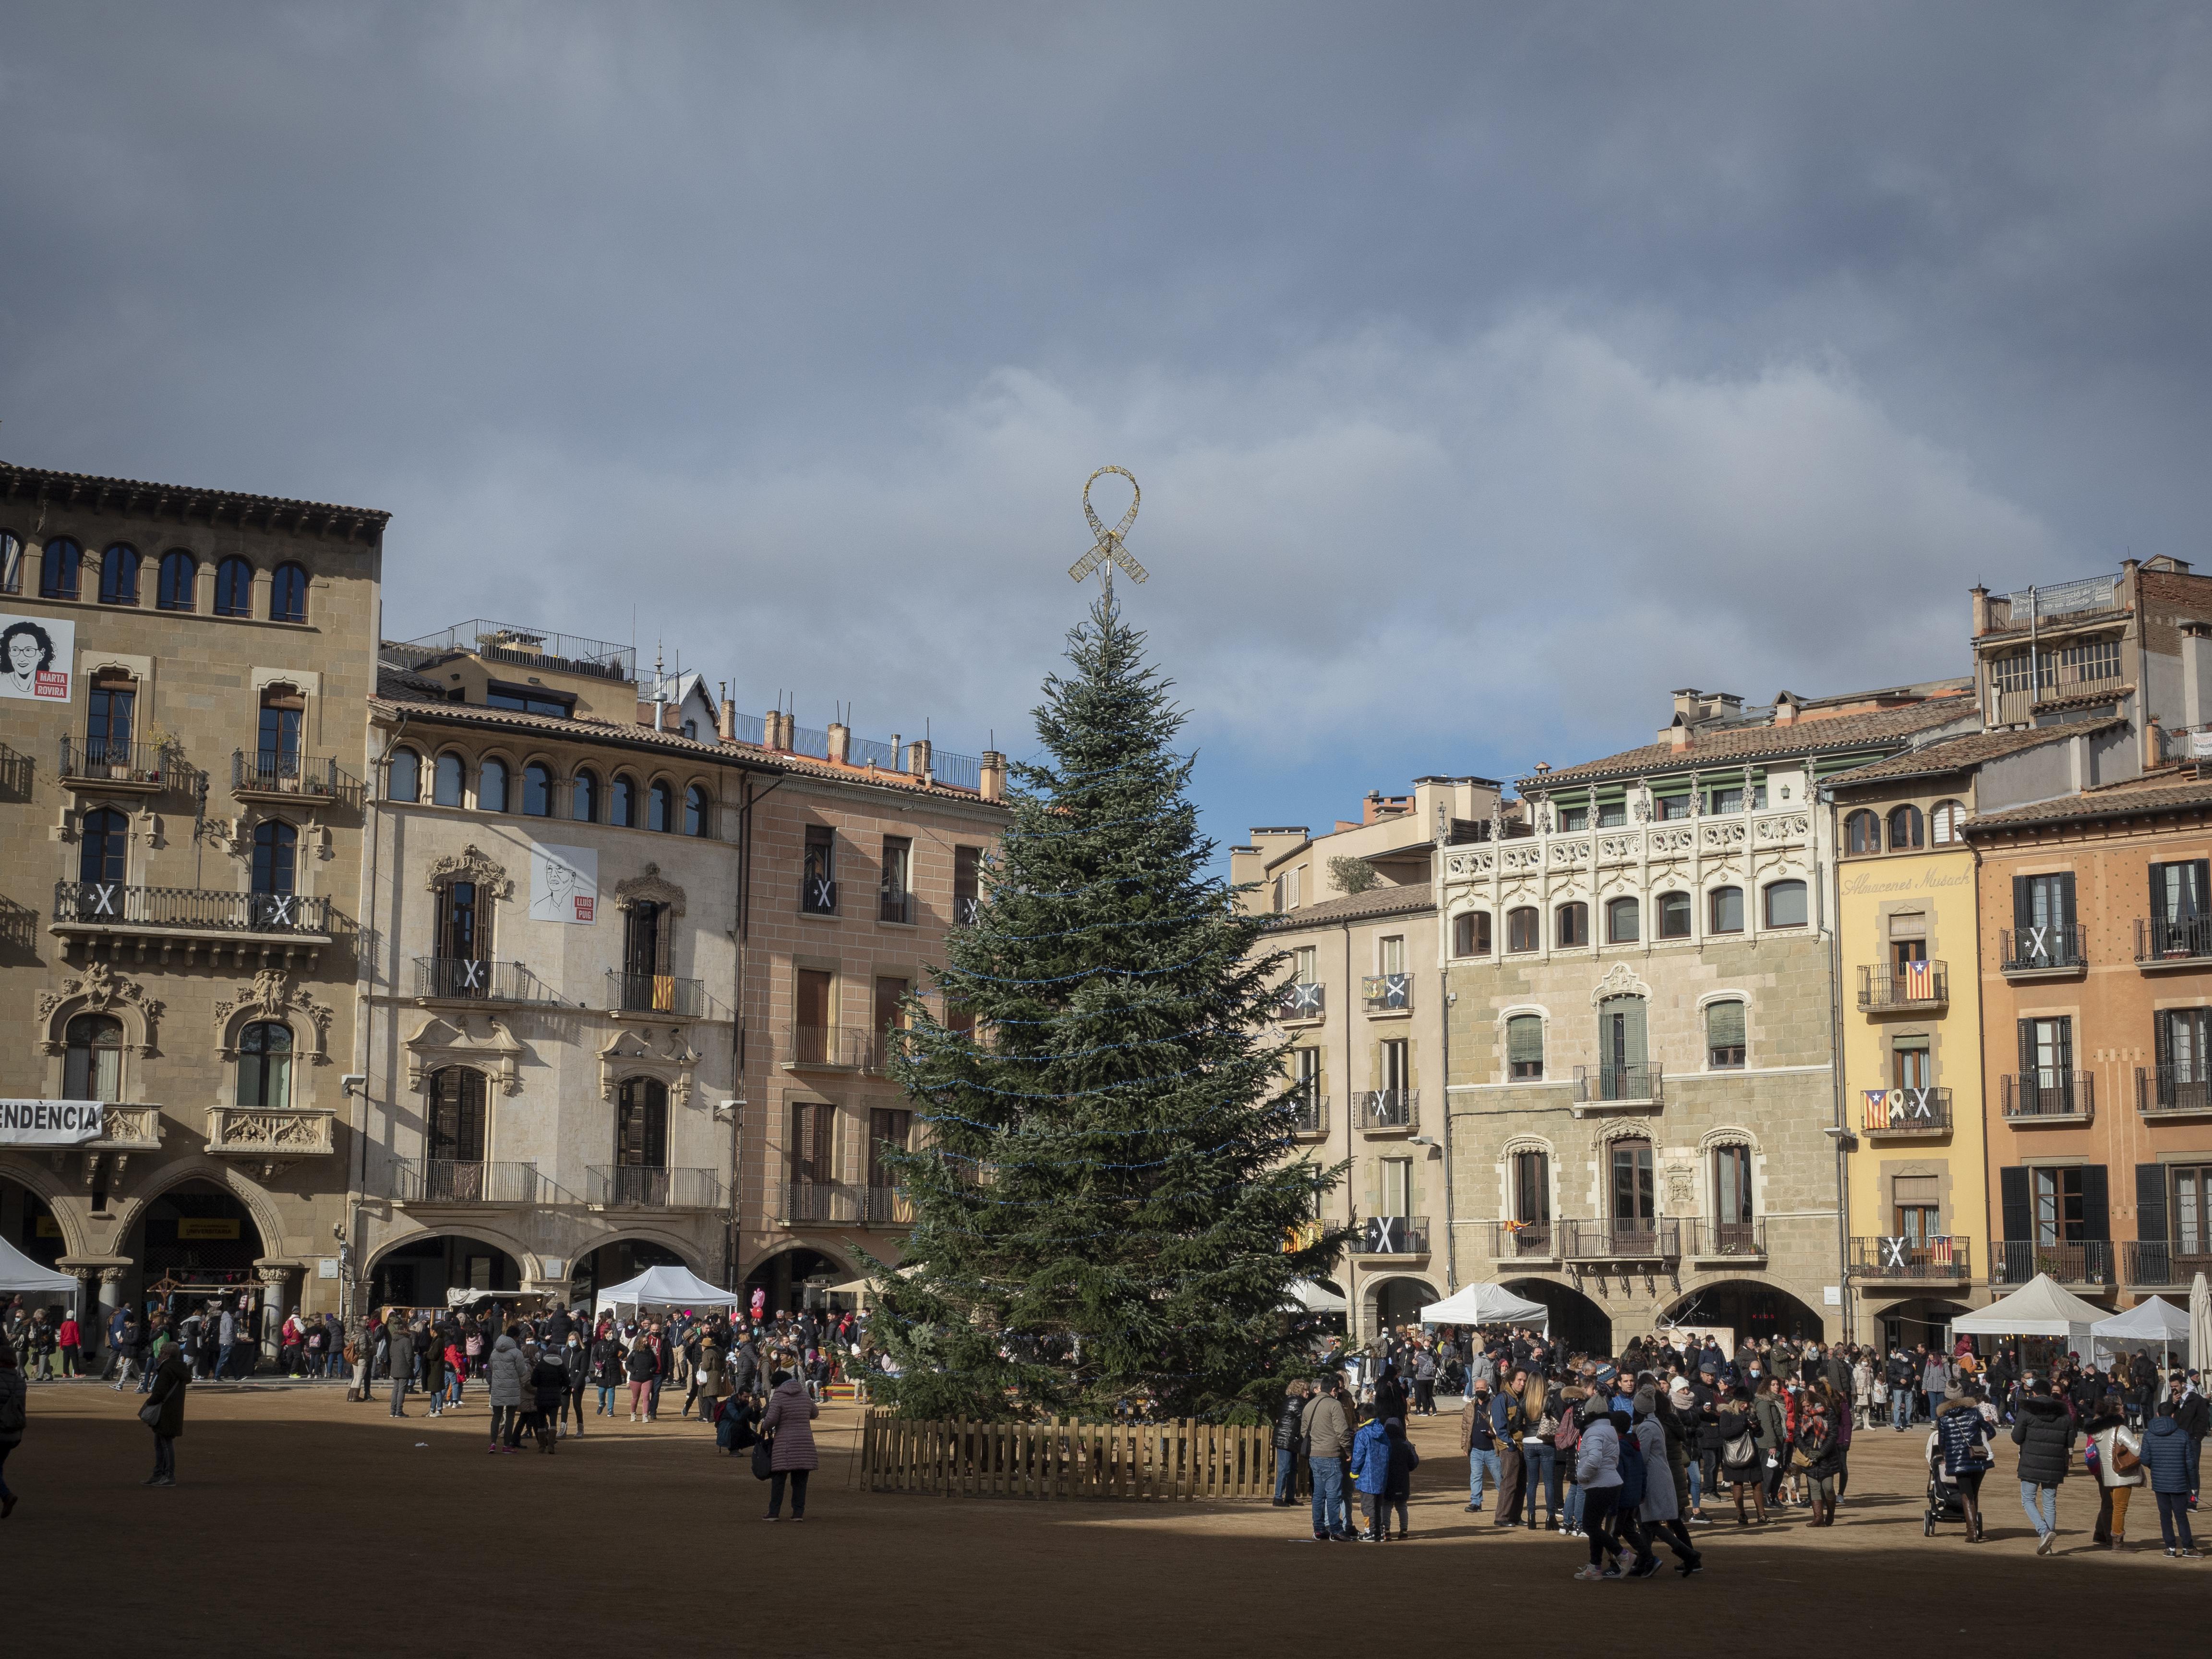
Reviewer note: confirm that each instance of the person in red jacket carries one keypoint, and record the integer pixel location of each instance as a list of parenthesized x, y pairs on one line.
[(70, 1340)]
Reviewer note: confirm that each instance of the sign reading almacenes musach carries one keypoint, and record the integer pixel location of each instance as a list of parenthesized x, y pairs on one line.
[(49, 1122)]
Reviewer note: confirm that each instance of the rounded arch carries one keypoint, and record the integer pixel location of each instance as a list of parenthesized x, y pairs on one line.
[(687, 1251), (1728, 1134), (402, 775), (47, 1186), (179, 581), (827, 1252), (233, 587), (660, 807), (100, 990), (1624, 1128), (1578, 1324), (259, 1205), (1389, 1300), (495, 781), (1750, 1307), (540, 782), (698, 809), (524, 1258), (449, 779), (287, 593)]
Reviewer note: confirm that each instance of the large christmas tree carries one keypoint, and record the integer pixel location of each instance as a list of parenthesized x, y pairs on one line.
[(1106, 1211)]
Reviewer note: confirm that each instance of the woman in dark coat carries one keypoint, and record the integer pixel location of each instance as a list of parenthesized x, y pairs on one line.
[(2044, 1435), (788, 1422), (166, 1401)]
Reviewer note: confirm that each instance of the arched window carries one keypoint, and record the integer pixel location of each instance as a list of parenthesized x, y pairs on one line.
[(11, 562), (1724, 1035), (491, 785), (92, 1066), (1532, 1187), (1785, 904), (1863, 832), (181, 580), (59, 568), (119, 575), (641, 1125), (661, 808), (1735, 1232), (1724, 910), (405, 778), (1673, 915), (1570, 926), (698, 816), (283, 711), (448, 781), (622, 802), (457, 1115), (1621, 921), (264, 1065), (1471, 934), (584, 798), (1524, 1048), (1948, 823), (103, 844), (538, 790), (234, 587), (288, 594), (276, 856), (1521, 928), (1904, 827)]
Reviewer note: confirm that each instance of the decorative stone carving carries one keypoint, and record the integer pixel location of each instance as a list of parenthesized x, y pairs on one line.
[(651, 888), (270, 999), (649, 1051), (472, 864), (1619, 981), (100, 990), (452, 1039)]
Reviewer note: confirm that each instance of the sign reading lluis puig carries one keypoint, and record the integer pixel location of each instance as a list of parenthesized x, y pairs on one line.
[(49, 1122)]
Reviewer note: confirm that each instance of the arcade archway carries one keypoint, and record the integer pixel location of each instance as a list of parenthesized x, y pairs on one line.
[(29, 1222), (615, 1260), (1922, 1319), (1749, 1309), (784, 1277), (422, 1271), (1397, 1301), (1578, 1324)]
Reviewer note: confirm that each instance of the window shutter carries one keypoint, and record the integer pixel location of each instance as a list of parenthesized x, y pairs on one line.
[(2028, 1050), (2065, 916), (2159, 891), (2150, 1202), (2063, 1050), (1637, 1050), (1724, 1025), (2018, 1213), (2023, 910), (1524, 1038), (2162, 1025), (2200, 886), (2096, 1202)]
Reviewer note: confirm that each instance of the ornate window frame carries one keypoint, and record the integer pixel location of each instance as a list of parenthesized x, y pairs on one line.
[(99, 990), (649, 888), (632, 1051), (450, 1039)]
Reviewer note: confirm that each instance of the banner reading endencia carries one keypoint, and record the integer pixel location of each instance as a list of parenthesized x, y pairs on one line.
[(49, 1122)]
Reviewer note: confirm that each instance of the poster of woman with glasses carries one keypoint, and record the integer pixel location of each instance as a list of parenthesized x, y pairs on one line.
[(35, 655)]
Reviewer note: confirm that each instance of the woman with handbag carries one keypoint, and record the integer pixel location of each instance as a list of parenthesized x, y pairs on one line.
[(1961, 1438), (788, 1426), (164, 1412), (2114, 1457)]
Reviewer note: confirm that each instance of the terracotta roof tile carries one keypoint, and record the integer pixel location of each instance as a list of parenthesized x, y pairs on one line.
[(1375, 902), (2154, 791), (1721, 746), (35, 481), (1956, 754)]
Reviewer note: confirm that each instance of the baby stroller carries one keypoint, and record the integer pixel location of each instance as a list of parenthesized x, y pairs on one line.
[(1945, 1501)]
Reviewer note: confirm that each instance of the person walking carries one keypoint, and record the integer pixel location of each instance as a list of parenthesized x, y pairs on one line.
[(1961, 1438), (642, 1366), (1597, 1469), (576, 1361), (1478, 1440), (2044, 1435), (13, 1397), (1659, 1513), (1900, 1374), (509, 1376), (788, 1425), (1821, 1441), (164, 1412), (1328, 1435), (606, 1370), (2115, 1456), (1289, 1424), (2165, 1454)]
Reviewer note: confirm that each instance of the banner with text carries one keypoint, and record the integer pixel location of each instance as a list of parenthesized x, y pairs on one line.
[(49, 1122), (564, 882)]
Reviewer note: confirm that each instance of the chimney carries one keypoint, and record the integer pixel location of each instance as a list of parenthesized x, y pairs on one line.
[(994, 786), (1690, 704), (918, 758), (1785, 708), (2130, 587), (1981, 597), (1678, 736), (841, 742), (725, 725)]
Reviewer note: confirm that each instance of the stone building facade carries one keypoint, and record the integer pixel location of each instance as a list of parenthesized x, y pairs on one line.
[(183, 811)]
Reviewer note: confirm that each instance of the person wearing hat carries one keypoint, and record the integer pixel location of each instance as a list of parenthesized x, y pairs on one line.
[(1478, 1440)]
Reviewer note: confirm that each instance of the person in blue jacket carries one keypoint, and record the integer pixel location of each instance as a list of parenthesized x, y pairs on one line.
[(1371, 1473), (2166, 1455), (1398, 1480)]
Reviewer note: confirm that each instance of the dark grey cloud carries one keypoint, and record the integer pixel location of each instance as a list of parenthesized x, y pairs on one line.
[(1489, 369)]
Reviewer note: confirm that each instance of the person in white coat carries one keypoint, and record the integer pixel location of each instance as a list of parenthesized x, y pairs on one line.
[(2119, 1457), (1597, 1471)]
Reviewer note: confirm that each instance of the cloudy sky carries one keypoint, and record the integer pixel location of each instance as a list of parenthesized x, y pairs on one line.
[(1489, 370)]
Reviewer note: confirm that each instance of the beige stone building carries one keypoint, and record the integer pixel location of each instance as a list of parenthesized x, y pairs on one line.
[(183, 724)]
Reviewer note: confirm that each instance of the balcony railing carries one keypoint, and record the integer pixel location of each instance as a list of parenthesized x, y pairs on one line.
[(839, 1048), (1894, 1114), (2174, 1090), (1387, 994), (1301, 1002), (2158, 1262), (1945, 1256), (656, 994), (895, 907), (189, 908), (2159, 941), (131, 765), (1386, 1108), (453, 1180), (271, 772), (1657, 1240), (1734, 1241), (888, 1206), (2050, 949), (1391, 1235), (1909, 985), (268, 1132), (2085, 1262), (1309, 1112), (128, 1128), (817, 895), (1640, 1084), (818, 1201), (457, 979), (2048, 1097), (630, 1186), (1523, 1241)]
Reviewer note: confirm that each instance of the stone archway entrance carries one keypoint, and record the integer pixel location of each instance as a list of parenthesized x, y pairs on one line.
[(1578, 1324), (1748, 1307), (784, 1278), (419, 1272), (613, 1262)]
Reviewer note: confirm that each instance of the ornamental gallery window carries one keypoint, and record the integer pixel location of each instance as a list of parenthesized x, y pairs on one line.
[(92, 1066), (1521, 928), (1471, 934), (264, 1065)]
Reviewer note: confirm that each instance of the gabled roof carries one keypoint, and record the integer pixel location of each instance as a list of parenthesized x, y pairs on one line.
[(1354, 907), (135, 495), (2168, 791), (1957, 754), (1721, 745)]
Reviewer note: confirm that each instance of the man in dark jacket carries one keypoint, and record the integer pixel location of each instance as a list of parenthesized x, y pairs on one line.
[(167, 1396), (1290, 1429), (2165, 1458), (1903, 1377), (2044, 1435), (2194, 1416)]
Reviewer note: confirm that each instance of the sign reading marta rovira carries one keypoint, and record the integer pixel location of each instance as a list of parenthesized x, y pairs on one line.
[(37, 654), (564, 882), (49, 1122)]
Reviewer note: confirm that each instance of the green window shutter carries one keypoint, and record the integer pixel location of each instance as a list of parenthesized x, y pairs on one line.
[(2096, 1202), (1524, 1038), (2150, 1202), (2018, 1213), (1724, 1025)]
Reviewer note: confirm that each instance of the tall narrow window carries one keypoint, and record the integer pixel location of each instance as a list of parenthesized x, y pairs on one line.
[(264, 1065), (645, 939), (584, 796), (897, 896), (2046, 1066), (179, 589), (119, 575), (491, 785), (2185, 1066), (448, 781), (1471, 934), (1623, 1072), (109, 717), (2061, 1216), (817, 879), (288, 594), (284, 712), (405, 775), (457, 1115), (1397, 1071), (889, 1131), (1524, 1048), (698, 815), (1635, 1206), (538, 790), (622, 801), (234, 587), (1532, 1187), (661, 808), (461, 938), (891, 1017), (11, 562), (1909, 1065), (103, 846), (1673, 915), (1521, 928), (59, 568), (1732, 1211), (1724, 908), (275, 857), (1390, 954), (1785, 904), (1724, 1035), (1397, 1188), (642, 1125), (1620, 921), (967, 884), (811, 1015), (2042, 921), (812, 1122), (1571, 927), (92, 1065)]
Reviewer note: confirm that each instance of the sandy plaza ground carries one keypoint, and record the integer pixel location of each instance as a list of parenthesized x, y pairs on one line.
[(301, 1521)]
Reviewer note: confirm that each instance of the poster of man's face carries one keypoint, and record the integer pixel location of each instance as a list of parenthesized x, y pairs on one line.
[(36, 657)]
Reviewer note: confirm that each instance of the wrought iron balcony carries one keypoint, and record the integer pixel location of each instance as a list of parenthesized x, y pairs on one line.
[(457, 979), (190, 910), (1391, 1235), (656, 994), (2025, 952), (2160, 943), (895, 907), (818, 1201), (1387, 994), (1386, 1110), (1729, 1241), (1657, 1240), (1910, 985), (1297, 1002), (1523, 1241), (2086, 1262), (140, 769), (453, 1180), (2173, 1091), (264, 772), (1904, 1114), (1619, 1085), (1309, 1112), (817, 895), (268, 1133), (832, 1048), (2160, 1262), (2048, 1097), (888, 1206), (1948, 1257), (629, 1187)]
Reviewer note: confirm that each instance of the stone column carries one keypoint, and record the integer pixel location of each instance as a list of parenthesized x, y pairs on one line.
[(277, 1296)]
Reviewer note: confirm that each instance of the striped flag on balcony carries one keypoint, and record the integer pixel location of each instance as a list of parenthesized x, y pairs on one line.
[(1877, 1109), (1919, 982)]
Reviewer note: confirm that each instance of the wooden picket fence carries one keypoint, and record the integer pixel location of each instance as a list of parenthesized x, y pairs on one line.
[(1177, 1462)]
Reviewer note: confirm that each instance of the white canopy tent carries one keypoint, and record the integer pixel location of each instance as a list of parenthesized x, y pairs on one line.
[(668, 1287), (1486, 1304), (2156, 1320), (19, 1275), (1307, 1296), (2042, 1307)]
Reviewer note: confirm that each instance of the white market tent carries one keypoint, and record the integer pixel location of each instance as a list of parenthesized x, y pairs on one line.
[(19, 1274), (2042, 1307), (1486, 1304), (1307, 1296), (2155, 1322), (669, 1287)]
